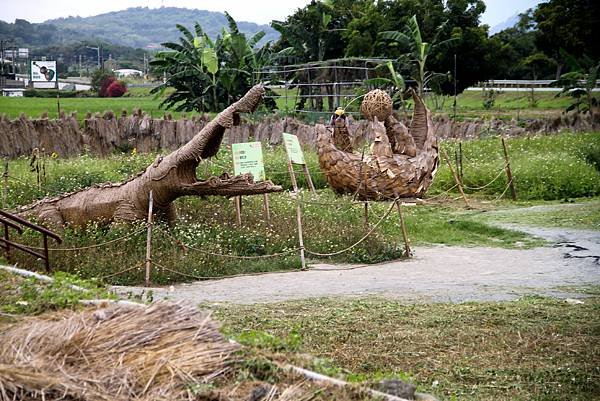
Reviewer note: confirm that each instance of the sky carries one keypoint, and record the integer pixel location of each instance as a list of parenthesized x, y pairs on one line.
[(259, 11)]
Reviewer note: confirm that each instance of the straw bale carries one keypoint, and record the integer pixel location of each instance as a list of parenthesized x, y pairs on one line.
[(112, 352)]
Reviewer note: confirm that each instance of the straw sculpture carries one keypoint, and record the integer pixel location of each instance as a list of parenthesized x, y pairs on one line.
[(376, 103), (169, 178), (112, 353), (401, 163)]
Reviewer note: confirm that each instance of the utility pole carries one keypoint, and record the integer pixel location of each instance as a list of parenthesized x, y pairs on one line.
[(2, 56)]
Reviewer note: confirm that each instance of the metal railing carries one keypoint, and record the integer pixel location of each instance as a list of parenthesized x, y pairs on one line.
[(9, 220)]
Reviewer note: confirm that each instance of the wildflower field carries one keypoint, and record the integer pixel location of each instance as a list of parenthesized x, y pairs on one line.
[(545, 168)]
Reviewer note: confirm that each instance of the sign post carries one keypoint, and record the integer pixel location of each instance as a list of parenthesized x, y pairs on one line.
[(43, 74), (295, 156), (248, 158)]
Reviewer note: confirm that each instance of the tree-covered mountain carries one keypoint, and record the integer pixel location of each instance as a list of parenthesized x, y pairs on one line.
[(143, 27)]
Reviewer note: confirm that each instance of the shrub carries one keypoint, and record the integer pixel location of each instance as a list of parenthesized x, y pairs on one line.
[(106, 82), (52, 93), (98, 78), (116, 89)]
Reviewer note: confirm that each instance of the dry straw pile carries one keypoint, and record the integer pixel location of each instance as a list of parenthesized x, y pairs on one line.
[(112, 353)]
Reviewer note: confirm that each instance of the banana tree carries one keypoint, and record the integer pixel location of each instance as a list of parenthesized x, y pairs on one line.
[(207, 74), (419, 50), (579, 83)]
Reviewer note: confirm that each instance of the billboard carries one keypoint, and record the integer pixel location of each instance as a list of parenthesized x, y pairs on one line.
[(43, 71)]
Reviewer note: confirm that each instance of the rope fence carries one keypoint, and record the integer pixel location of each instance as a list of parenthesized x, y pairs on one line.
[(122, 238), (367, 235), (300, 200)]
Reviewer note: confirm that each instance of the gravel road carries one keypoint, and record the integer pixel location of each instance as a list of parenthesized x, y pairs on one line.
[(435, 274)]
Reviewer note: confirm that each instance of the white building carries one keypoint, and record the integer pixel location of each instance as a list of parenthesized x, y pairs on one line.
[(128, 72)]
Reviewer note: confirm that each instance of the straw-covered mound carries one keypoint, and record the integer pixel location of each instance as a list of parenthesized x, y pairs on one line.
[(113, 352)]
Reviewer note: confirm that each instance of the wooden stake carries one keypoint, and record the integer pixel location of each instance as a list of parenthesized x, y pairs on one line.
[(460, 160), (300, 236), (149, 241), (266, 207), (308, 179), (407, 249), (445, 155), (5, 185), (366, 216), (237, 200), (509, 175)]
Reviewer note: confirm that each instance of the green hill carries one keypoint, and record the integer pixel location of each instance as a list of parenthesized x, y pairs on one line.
[(143, 27)]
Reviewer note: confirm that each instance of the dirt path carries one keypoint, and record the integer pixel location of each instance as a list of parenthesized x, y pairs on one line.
[(435, 274)]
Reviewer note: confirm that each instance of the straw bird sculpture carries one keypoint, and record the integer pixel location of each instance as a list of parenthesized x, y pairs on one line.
[(402, 162), (169, 178)]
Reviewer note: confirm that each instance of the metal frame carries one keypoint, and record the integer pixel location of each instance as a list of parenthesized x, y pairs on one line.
[(9, 220)]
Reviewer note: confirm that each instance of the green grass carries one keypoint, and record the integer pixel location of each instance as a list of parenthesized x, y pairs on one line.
[(469, 105), (584, 214), (531, 349), (210, 225), (508, 104), (544, 166), (35, 107), (28, 296)]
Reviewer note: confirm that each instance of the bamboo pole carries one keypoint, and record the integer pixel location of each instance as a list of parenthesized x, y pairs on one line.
[(407, 249), (460, 160), (237, 200), (308, 179), (5, 185), (149, 241), (267, 208), (509, 175), (292, 175), (366, 216), (300, 234), (445, 155)]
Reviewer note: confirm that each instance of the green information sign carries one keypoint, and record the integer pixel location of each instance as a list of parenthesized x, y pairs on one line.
[(293, 149), (248, 158)]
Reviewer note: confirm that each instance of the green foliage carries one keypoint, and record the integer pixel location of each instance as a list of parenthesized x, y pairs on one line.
[(209, 75), (419, 50), (99, 77), (579, 83), (31, 296), (314, 32), (571, 25), (489, 98), (396, 82), (45, 93)]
